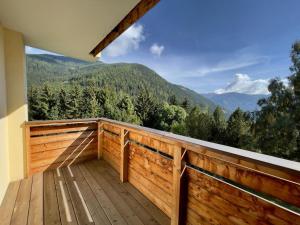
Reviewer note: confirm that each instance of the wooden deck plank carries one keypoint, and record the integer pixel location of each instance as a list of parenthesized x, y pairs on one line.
[(39, 200), (82, 213), (128, 214), (51, 210), (113, 215), (95, 208), (143, 215), (8, 203), (146, 203), (36, 214), (20, 214), (66, 210)]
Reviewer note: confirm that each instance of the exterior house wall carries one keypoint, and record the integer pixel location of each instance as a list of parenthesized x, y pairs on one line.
[(4, 156), (15, 70), (13, 107)]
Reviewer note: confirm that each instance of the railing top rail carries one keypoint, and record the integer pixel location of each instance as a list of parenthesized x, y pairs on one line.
[(37, 123), (258, 157)]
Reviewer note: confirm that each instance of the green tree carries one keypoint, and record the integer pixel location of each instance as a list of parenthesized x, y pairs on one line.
[(63, 103), (74, 103), (199, 124), (275, 129), (219, 126), (90, 106), (49, 103), (37, 109), (147, 109), (126, 110), (239, 130), (173, 100), (295, 83), (170, 115), (186, 104)]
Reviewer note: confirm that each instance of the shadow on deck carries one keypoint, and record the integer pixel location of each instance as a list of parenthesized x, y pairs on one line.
[(85, 193)]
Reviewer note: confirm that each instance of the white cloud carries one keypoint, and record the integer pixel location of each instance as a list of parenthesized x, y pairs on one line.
[(244, 84), (232, 64), (128, 41), (155, 49)]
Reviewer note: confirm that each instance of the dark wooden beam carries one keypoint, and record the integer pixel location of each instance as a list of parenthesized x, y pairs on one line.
[(135, 14)]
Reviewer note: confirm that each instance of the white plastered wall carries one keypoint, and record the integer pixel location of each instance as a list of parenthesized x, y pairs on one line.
[(13, 107)]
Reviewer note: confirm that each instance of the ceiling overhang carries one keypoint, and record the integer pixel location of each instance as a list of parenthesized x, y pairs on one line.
[(74, 28)]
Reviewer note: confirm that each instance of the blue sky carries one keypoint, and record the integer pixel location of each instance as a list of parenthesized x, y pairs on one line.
[(213, 45)]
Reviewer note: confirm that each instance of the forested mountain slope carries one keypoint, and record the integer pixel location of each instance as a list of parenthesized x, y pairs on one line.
[(129, 78)]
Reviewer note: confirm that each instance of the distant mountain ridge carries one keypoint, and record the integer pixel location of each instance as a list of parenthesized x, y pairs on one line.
[(126, 77), (232, 100)]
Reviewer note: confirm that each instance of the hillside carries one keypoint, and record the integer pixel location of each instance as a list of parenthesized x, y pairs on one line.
[(231, 101), (129, 78)]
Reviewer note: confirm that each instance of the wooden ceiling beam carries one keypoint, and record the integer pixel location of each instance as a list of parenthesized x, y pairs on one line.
[(135, 14)]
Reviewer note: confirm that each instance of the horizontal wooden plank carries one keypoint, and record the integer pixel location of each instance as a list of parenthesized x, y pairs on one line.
[(112, 137), (61, 158), (158, 191), (47, 130), (234, 205), (112, 146), (112, 128), (114, 152), (62, 144), (146, 154), (61, 164), (279, 188), (62, 137), (149, 192), (141, 160), (151, 176), (38, 123), (112, 160), (152, 142), (63, 151)]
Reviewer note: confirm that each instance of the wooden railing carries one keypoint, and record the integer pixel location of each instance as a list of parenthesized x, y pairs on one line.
[(52, 144), (193, 181)]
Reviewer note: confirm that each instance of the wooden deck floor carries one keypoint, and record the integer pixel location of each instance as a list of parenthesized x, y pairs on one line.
[(86, 193)]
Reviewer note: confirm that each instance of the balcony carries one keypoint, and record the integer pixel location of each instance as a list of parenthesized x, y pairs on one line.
[(101, 171)]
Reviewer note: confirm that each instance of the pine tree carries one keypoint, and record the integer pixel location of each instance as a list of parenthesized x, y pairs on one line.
[(74, 103), (186, 104), (90, 106), (239, 130), (219, 126), (63, 99), (37, 109), (147, 109), (199, 124), (173, 100), (126, 110)]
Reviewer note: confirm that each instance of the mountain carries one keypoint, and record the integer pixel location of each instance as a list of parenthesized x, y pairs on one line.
[(231, 101), (127, 77)]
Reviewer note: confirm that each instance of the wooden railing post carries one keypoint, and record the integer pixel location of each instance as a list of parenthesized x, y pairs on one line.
[(178, 187), (124, 155), (100, 139), (28, 150)]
